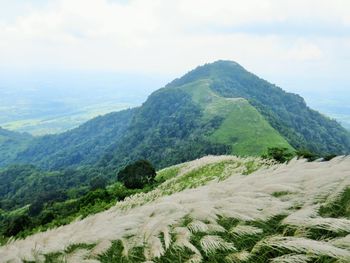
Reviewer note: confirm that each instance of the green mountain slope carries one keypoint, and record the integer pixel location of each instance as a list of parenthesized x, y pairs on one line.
[(286, 112), (243, 127)]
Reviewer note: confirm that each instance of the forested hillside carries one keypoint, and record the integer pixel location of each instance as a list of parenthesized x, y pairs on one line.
[(83, 145)]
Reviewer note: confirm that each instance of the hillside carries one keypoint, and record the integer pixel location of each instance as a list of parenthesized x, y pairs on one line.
[(215, 209), (218, 108), (83, 145), (12, 143)]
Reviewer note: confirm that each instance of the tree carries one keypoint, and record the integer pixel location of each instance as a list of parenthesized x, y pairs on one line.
[(137, 175)]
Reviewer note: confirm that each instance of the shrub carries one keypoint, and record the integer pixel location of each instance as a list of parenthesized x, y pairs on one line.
[(306, 154), (281, 155), (16, 225)]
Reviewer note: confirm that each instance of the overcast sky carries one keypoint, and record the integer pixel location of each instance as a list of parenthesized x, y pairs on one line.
[(302, 45)]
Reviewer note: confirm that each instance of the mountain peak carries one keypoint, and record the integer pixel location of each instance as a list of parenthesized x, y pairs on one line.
[(216, 69)]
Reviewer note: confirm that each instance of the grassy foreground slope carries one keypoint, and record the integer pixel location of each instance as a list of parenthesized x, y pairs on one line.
[(214, 209)]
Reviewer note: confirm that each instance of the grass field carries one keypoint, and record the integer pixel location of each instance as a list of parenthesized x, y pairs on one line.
[(51, 123)]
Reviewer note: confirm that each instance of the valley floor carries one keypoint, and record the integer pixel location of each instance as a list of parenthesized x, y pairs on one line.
[(215, 209)]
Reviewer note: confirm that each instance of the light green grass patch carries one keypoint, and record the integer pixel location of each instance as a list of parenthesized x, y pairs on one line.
[(243, 127)]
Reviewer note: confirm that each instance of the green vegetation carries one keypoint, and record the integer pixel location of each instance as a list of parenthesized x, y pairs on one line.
[(281, 155), (23, 184)]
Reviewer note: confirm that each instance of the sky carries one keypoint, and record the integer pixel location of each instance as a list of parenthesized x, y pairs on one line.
[(301, 45)]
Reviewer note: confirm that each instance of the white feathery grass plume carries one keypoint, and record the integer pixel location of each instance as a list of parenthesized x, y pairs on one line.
[(238, 257), (308, 217), (211, 244), (153, 249), (167, 237), (339, 189), (101, 247), (196, 258), (211, 159), (182, 240), (215, 228), (302, 246), (245, 230), (126, 247), (293, 258), (343, 242), (182, 236), (197, 226)]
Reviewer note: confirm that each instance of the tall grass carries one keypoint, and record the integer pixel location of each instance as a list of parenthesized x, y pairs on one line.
[(210, 210)]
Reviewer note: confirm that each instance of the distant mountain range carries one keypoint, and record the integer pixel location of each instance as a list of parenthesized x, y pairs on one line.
[(218, 108)]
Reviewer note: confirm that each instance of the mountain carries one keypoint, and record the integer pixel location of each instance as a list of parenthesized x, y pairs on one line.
[(286, 112), (218, 108), (222, 108), (185, 122)]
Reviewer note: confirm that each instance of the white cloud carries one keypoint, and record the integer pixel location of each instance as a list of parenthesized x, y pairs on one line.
[(171, 37), (304, 52)]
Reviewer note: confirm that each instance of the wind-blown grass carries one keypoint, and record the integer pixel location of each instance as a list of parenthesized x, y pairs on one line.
[(210, 210)]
